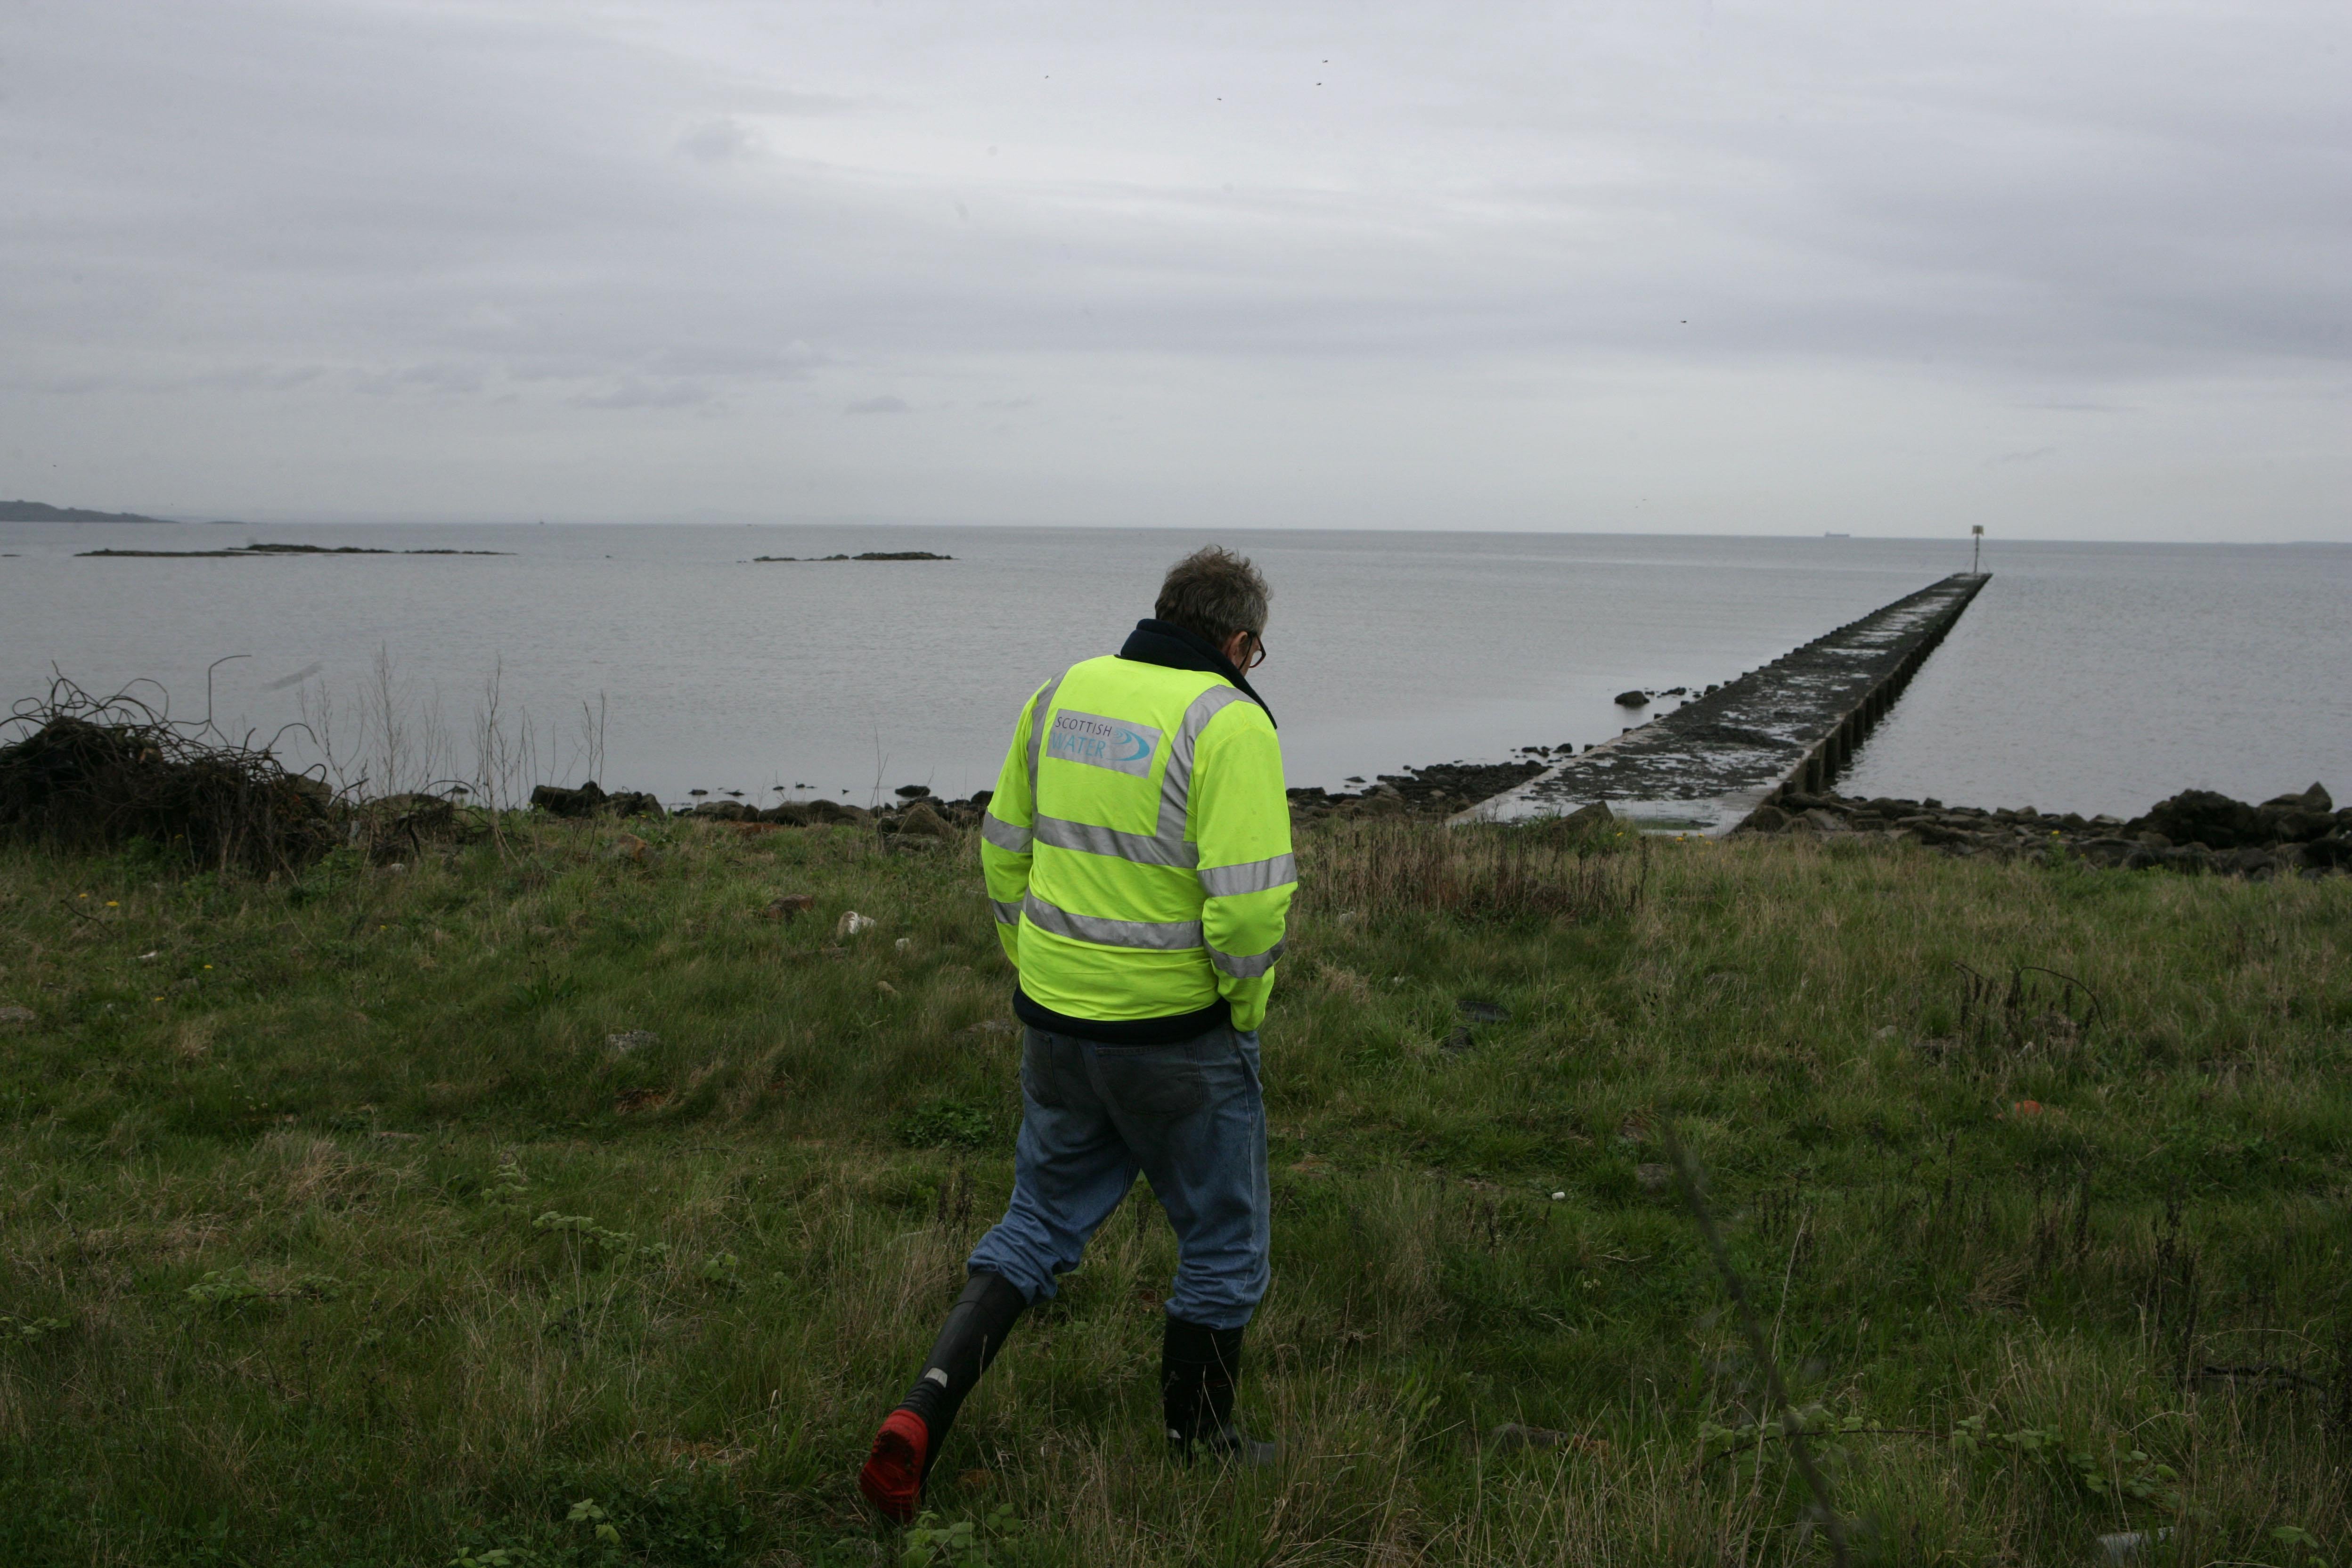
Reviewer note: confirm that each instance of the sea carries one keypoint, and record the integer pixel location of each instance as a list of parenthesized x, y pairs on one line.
[(2087, 677)]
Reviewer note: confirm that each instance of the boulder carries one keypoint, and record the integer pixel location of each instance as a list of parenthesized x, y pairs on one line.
[(1766, 819), (559, 802), (1632, 699), (913, 792), (2204, 818), (724, 810), (2293, 824), (921, 822), (588, 800), (787, 815), (420, 811), (2314, 799), (2334, 850)]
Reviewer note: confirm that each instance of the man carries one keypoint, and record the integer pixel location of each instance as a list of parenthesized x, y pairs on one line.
[(1137, 852)]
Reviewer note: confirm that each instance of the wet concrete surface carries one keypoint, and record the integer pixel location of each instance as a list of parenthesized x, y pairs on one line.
[(1709, 763)]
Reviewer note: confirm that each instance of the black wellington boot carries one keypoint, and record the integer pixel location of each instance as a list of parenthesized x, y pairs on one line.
[(1197, 1369), (911, 1439)]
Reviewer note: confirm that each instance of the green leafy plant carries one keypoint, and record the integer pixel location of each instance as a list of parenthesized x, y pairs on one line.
[(619, 1241), (28, 1330), (944, 1123), (585, 1511), (931, 1545)]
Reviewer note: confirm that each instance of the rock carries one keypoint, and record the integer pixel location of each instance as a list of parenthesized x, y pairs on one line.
[(1632, 699), (15, 1016), (1826, 821), (588, 800), (1477, 1012), (1766, 819), (2294, 824), (851, 923), (559, 802), (2314, 799), (2109, 851), (2202, 817), (724, 810), (785, 906), (912, 792), (423, 811), (922, 822), (2246, 862), (2334, 850), (629, 1040)]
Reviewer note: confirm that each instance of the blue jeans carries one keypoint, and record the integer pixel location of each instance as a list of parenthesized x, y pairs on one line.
[(1190, 1116)]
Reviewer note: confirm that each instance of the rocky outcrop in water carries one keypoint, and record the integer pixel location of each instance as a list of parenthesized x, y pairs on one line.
[(2196, 830)]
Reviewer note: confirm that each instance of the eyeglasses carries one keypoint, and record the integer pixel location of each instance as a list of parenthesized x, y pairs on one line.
[(1257, 653)]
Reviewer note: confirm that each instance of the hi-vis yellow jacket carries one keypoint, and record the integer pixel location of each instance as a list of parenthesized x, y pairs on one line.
[(1138, 845)]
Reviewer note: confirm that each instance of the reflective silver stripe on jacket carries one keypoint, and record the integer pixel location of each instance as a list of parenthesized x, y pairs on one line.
[(1249, 876), (1087, 838), (1038, 710), (1176, 784), (1004, 834), (1166, 936), (1007, 914), (1248, 968)]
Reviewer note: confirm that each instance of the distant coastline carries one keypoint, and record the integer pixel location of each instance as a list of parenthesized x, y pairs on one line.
[(41, 511)]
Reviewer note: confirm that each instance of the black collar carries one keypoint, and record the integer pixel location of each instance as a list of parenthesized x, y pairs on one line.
[(1172, 646)]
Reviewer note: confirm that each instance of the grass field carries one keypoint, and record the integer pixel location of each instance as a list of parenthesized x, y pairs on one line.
[(538, 1204)]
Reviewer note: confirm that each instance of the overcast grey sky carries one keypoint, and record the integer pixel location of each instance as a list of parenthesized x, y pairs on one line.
[(2071, 270)]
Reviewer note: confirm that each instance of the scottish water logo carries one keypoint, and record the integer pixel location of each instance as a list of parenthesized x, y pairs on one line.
[(1103, 743)]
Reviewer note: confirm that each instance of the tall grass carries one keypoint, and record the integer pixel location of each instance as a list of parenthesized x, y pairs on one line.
[(382, 1218)]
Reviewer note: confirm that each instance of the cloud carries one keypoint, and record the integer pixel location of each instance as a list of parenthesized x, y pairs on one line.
[(634, 393), (1866, 227), (725, 140), (2007, 460), (886, 403)]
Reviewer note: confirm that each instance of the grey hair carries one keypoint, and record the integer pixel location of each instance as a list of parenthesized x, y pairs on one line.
[(1214, 592)]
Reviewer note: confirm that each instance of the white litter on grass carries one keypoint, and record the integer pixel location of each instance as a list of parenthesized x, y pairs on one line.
[(851, 923), (1558, 1198), (904, 945)]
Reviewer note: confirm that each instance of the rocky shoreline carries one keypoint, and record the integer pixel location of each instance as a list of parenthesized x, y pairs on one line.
[(2195, 831), (1435, 791)]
